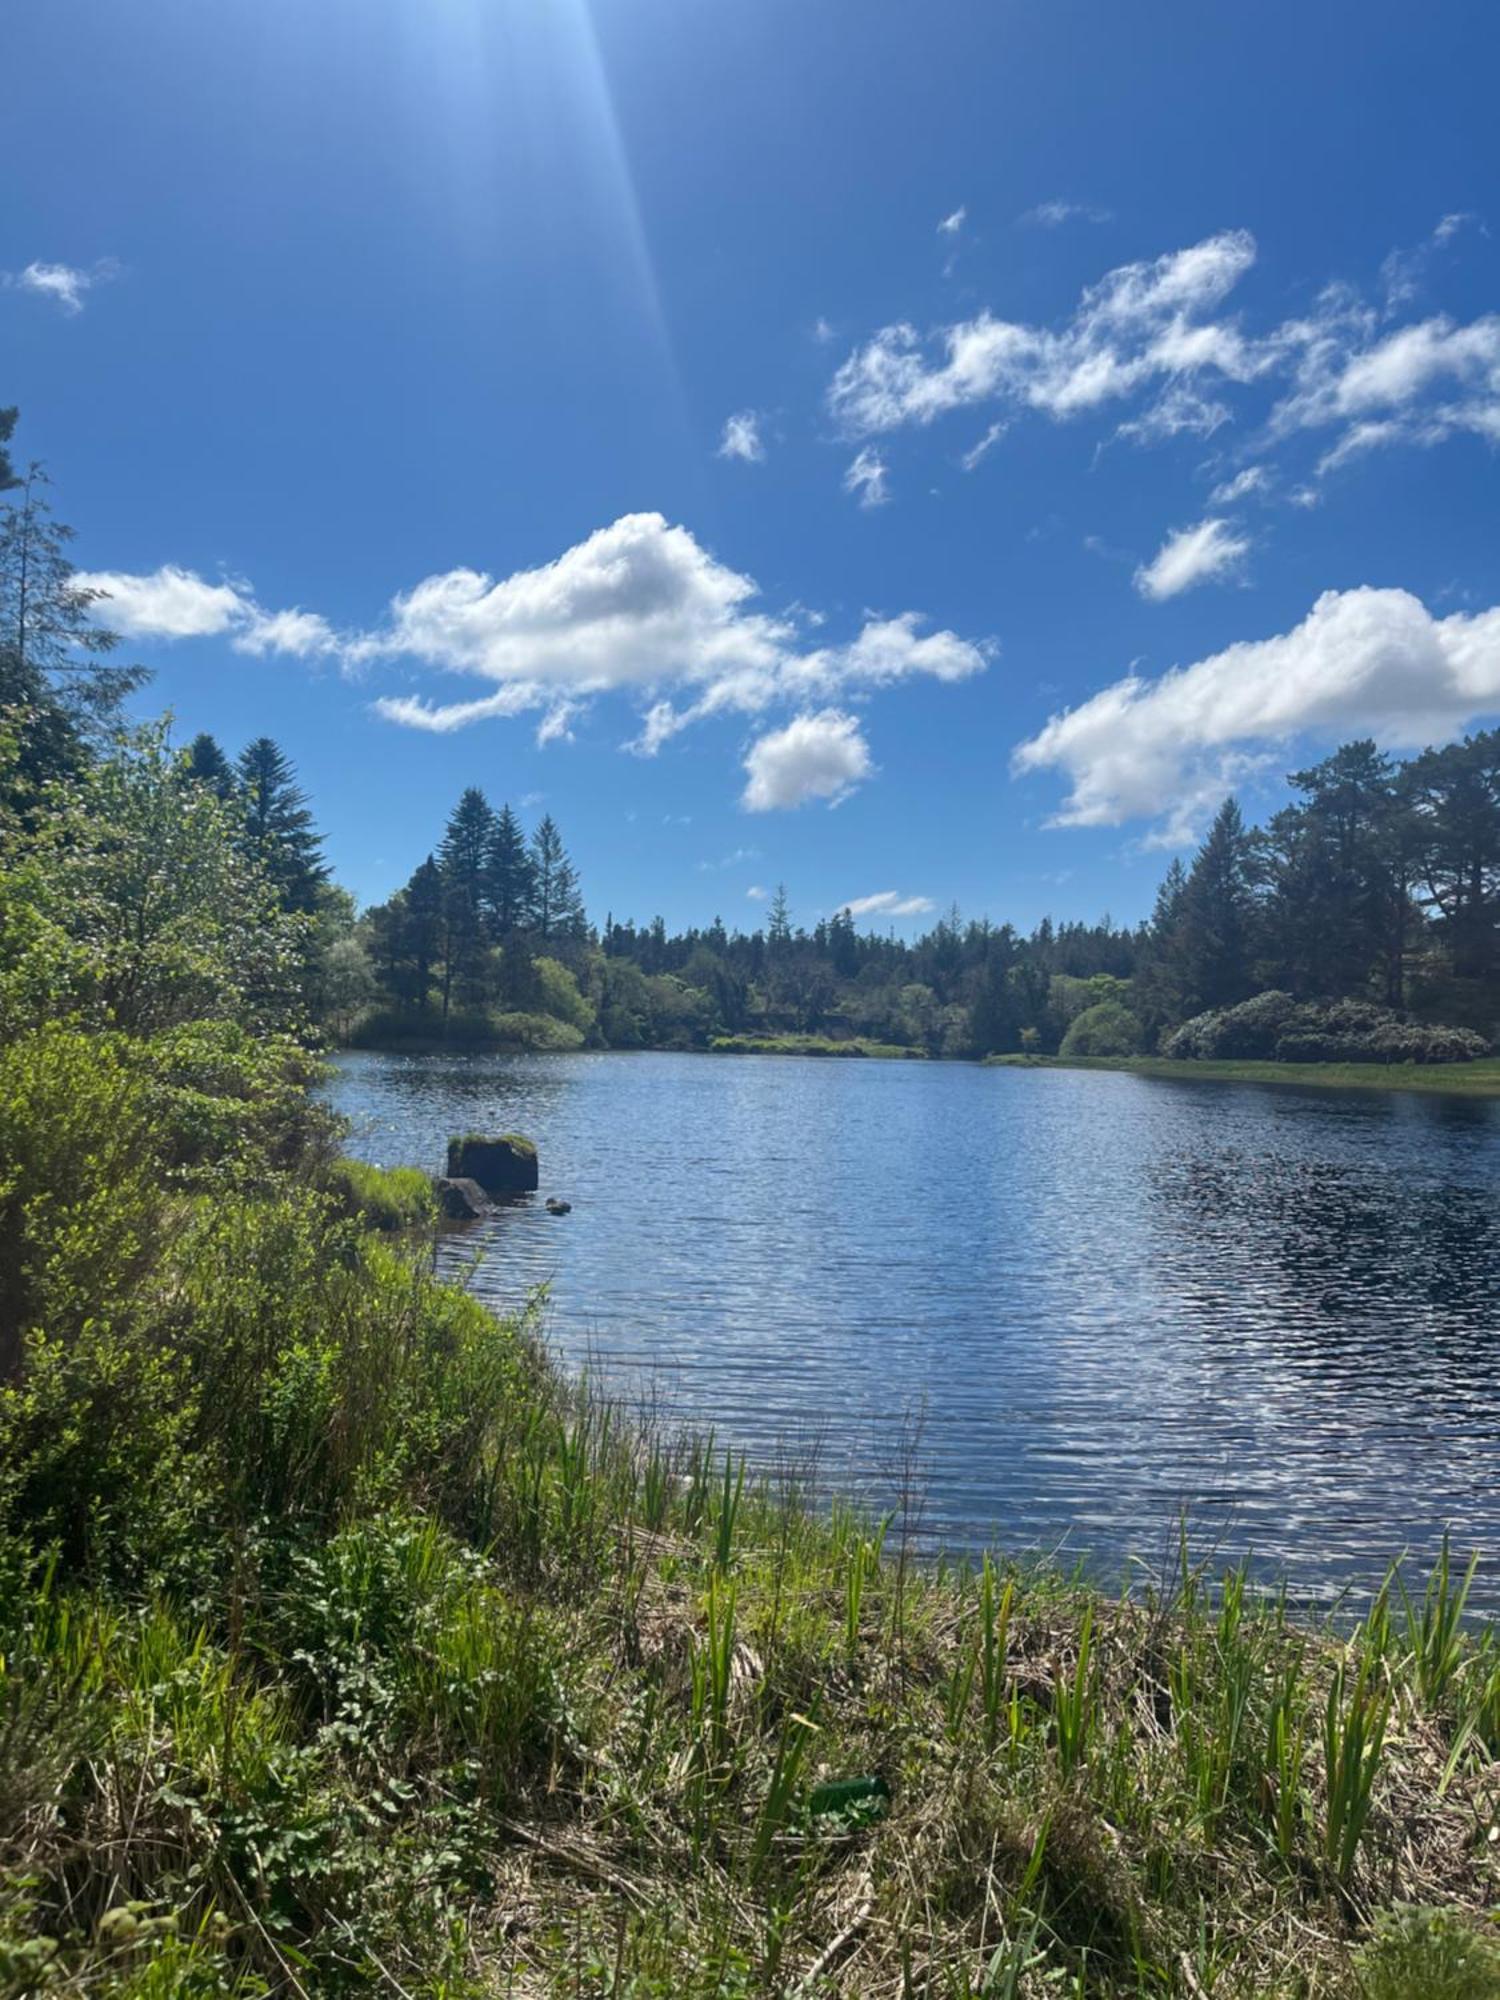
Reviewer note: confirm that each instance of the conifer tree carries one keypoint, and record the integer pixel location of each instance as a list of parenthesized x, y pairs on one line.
[(53, 670), (557, 903), (508, 884), (1455, 798), (463, 859), (278, 825), (1216, 916), (206, 764)]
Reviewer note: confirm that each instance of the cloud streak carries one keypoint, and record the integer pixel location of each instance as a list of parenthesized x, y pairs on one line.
[(63, 284), (1210, 552), (886, 903)]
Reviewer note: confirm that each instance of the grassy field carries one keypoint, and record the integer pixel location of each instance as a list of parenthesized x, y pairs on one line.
[(1477, 1079)]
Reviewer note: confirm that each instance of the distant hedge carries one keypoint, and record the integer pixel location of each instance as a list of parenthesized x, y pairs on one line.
[(1275, 1027)]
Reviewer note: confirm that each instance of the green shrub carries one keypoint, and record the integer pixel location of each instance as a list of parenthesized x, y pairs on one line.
[(1427, 1954), (536, 1031), (1105, 1029), (1275, 1027)]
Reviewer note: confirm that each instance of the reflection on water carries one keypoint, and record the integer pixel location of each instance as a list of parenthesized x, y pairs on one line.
[(1113, 1298)]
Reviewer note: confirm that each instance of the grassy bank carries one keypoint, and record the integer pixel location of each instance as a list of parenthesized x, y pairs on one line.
[(345, 1647), (813, 1045), (1476, 1079)]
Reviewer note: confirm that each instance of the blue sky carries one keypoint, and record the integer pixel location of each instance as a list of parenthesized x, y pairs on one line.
[(917, 454)]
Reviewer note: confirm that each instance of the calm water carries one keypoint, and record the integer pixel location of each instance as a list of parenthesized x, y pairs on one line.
[(1116, 1298)]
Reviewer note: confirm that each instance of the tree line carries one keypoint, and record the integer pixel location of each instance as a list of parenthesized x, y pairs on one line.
[(1376, 886)]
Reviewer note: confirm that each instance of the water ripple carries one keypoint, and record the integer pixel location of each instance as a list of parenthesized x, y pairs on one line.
[(1111, 1299)]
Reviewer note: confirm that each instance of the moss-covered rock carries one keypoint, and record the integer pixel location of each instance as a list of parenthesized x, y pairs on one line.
[(505, 1164)]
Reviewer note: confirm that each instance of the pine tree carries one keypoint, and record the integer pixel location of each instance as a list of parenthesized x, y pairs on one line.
[(407, 938), (779, 920), (557, 903), (1454, 795), (1216, 916), (508, 885), (1338, 907), (52, 668), (205, 763), (278, 825), (463, 858)]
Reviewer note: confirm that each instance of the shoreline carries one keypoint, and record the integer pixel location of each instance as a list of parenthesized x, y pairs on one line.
[(1472, 1080), (1479, 1080)]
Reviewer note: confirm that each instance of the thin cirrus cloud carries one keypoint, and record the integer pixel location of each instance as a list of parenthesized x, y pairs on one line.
[(639, 609), (1053, 214), (1209, 552), (1364, 661), (63, 284), (867, 478), (741, 438), (886, 903), (1154, 344)]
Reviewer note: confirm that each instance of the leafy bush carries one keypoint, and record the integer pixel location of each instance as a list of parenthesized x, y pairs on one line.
[(1105, 1029), (1275, 1027), (556, 993), (388, 1029), (536, 1031), (1427, 1954)]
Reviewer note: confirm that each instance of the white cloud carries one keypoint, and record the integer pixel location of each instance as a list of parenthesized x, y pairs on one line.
[(1141, 323), (887, 903), (824, 330), (304, 635), (1052, 214), (820, 756), (1208, 552), (1254, 479), (742, 438), (757, 894), (639, 608), (867, 476), (1418, 385), (1154, 342), (174, 603), (170, 603), (1366, 661), (64, 284), (952, 224)]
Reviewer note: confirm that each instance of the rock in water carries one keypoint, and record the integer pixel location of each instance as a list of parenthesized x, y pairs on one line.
[(505, 1165), (461, 1200)]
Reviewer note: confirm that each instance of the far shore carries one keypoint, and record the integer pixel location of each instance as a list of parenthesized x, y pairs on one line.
[(1476, 1079)]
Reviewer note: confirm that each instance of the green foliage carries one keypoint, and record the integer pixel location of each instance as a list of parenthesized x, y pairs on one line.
[(1275, 1027), (1435, 1953), (1108, 1029), (390, 1199), (143, 907)]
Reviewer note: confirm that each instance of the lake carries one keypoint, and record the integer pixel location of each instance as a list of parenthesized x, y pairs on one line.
[(1099, 1299)]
